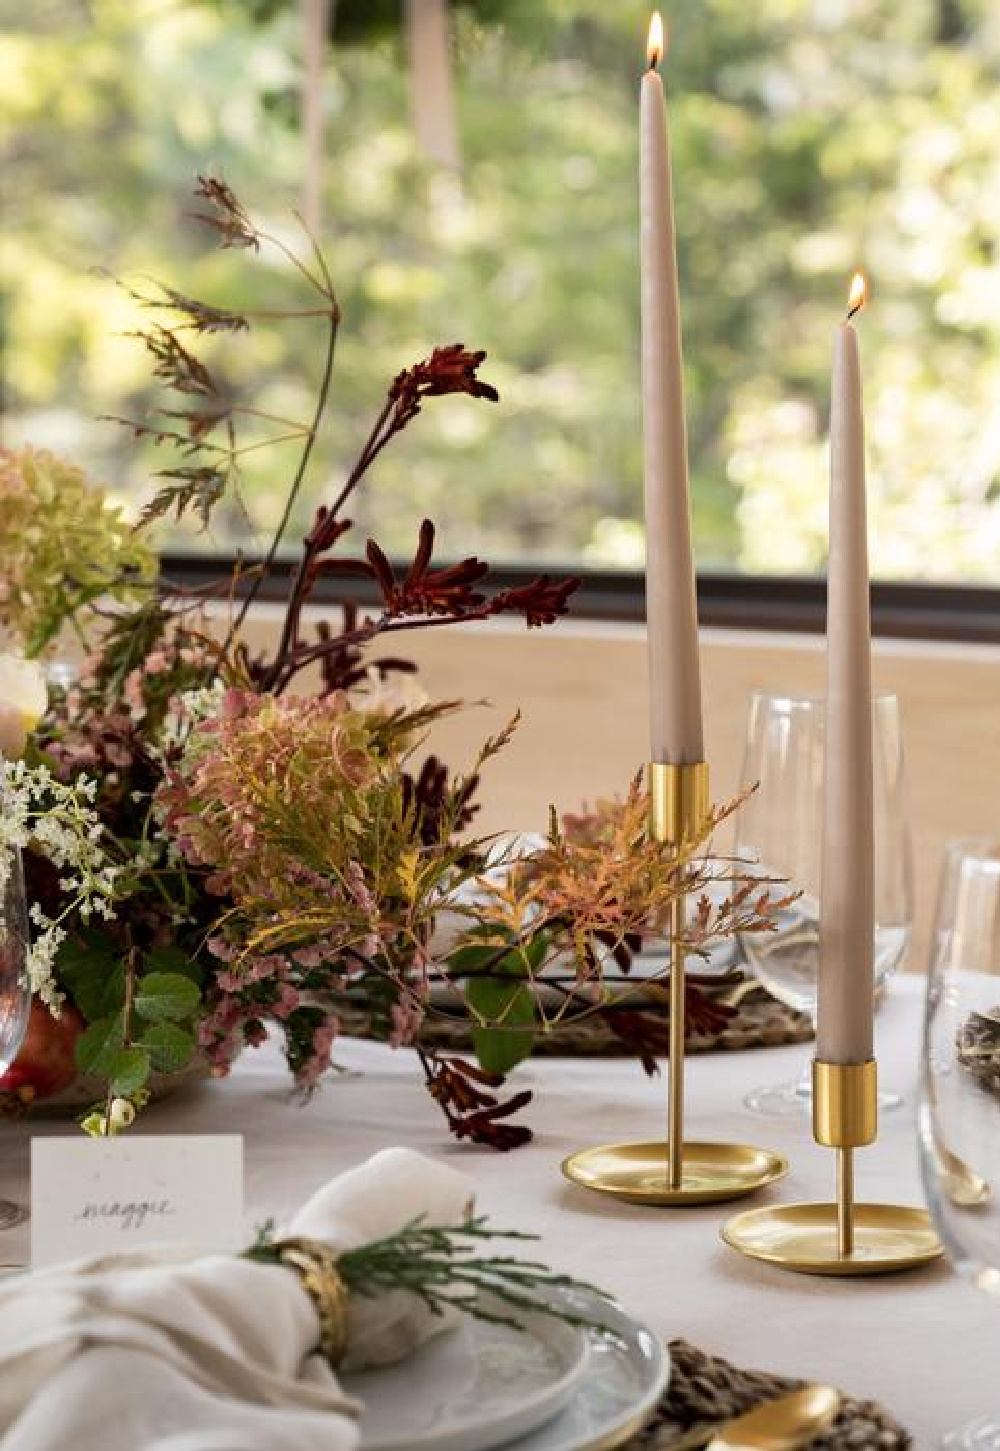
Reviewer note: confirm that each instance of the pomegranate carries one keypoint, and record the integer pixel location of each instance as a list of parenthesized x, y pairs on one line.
[(46, 1063)]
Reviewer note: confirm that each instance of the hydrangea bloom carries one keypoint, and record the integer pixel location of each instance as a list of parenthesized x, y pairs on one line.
[(63, 544)]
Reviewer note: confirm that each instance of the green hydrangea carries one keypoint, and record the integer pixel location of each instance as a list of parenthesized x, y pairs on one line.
[(63, 545)]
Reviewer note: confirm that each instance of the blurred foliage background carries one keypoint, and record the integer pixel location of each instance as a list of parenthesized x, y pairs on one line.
[(809, 136)]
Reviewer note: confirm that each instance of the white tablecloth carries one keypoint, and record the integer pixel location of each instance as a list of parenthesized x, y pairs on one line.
[(926, 1344)]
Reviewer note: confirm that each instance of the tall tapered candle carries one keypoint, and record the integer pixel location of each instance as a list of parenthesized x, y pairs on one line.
[(844, 1026), (316, 15), (432, 100), (671, 604)]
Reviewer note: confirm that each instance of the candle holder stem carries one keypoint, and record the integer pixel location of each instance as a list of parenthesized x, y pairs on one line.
[(676, 1172), (845, 1203), (845, 1118), (678, 810), (678, 1033)]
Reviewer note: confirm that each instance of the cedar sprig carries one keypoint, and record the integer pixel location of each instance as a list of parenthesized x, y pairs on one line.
[(440, 1265)]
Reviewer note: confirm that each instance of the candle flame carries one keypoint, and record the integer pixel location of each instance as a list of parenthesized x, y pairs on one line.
[(656, 45), (857, 296)]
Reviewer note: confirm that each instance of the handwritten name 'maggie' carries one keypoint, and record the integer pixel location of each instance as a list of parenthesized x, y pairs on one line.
[(130, 1214)]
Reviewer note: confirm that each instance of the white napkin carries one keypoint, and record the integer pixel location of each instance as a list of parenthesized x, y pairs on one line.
[(164, 1350)]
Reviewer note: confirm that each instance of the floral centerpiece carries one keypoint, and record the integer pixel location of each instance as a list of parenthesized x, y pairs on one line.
[(219, 843)]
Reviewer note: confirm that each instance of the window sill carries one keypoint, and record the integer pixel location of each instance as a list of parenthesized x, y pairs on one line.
[(915, 611)]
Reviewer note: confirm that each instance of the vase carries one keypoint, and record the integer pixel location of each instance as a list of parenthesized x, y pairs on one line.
[(43, 1078), (84, 1093)]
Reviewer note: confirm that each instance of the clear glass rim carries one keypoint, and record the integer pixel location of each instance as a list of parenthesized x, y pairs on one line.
[(805, 701), (984, 849)]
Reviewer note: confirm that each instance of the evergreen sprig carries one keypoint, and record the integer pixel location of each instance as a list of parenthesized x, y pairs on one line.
[(439, 1264)]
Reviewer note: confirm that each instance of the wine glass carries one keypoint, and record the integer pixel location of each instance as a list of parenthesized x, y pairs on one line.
[(780, 828), (15, 994), (959, 1113)]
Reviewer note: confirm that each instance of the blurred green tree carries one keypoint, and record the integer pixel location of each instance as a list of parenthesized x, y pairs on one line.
[(809, 136)]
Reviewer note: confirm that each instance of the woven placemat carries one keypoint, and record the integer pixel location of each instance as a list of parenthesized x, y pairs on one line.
[(978, 1045), (706, 1390), (760, 1021)]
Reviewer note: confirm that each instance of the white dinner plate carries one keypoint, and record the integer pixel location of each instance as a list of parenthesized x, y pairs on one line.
[(477, 1386), (483, 1386), (627, 1374)]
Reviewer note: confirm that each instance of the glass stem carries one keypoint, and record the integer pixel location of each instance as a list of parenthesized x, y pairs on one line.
[(804, 1086)]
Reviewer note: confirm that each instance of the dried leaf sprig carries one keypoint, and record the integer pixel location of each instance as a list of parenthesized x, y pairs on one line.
[(422, 598), (203, 429), (225, 214), (597, 889), (466, 1096), (600, 885)]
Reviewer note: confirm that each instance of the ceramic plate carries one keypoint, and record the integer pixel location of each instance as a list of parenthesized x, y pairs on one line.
[(484, 1386), (474, 1387), (627, 1374)]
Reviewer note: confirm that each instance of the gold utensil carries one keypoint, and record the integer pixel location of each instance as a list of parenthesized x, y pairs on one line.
[(786, 1424), (963, 1186)]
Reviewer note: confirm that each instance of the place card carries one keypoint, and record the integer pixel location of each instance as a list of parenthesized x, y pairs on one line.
[(100, 1196)]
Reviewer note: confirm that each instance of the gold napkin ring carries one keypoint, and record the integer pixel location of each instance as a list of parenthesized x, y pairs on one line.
[(316, 1266)]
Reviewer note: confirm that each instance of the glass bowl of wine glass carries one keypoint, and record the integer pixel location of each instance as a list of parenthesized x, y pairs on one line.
[(959, 1110), (15, 994), (780, 829)]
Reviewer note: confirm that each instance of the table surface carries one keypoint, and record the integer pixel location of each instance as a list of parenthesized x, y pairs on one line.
[(923, 1343)]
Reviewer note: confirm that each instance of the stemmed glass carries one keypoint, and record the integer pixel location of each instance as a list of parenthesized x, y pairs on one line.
[(780, 828), (959, 1114), (15, 994)]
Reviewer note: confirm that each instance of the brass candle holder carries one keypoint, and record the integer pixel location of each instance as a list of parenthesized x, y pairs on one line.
[(672, 1171), (843, 1238)]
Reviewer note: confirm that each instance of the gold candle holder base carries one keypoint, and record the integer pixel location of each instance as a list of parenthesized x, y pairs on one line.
[(842, 1238), (803, 1237), (710, 1173)]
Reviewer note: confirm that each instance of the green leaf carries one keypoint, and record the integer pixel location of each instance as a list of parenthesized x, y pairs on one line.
[(97, 1047), (170, 1048), (129, 1071), (88, 964), (510, 1011), (165, 995), (534, 952), (174, 959), (471, 959), (518, 961), (113, 996)]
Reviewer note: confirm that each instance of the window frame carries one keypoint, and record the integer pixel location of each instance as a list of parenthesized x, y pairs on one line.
[(910, 610)]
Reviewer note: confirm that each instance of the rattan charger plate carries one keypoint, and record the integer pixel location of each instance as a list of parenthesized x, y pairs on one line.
[(760, 1021), (705, 1391)]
